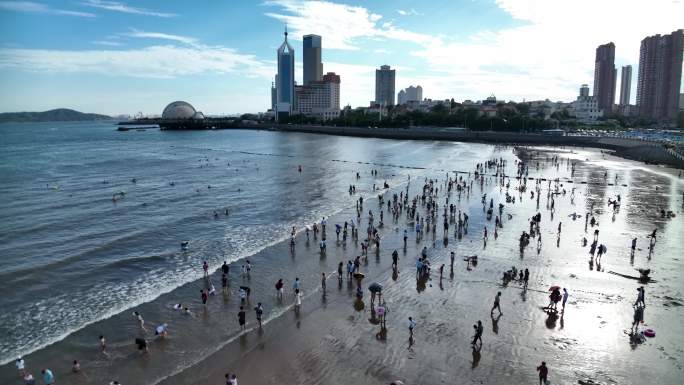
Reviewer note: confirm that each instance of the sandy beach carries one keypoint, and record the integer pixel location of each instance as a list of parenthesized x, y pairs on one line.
[(331, 342), (334, 338)]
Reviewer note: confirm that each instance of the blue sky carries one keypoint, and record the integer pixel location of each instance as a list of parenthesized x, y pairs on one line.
[(122, 57)]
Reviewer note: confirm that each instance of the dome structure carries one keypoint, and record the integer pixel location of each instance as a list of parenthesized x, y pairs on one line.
[(198, 115), (178, 110)]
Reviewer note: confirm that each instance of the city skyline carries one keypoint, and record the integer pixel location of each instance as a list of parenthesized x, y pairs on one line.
[(117, 57)]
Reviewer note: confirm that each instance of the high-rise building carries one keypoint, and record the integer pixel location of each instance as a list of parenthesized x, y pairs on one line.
[(285, 81), (274, 96), (586, 108), (625, 85), (320, 98), (401, 97), (313, 67), (410, 94), (384, 86), (660, 76), (605, 76)]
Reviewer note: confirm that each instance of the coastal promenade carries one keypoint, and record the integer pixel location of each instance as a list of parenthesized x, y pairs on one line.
[(631, 148)]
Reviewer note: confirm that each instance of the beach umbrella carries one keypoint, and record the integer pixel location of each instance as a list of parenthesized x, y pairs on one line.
[(552, 288), (375, 287)]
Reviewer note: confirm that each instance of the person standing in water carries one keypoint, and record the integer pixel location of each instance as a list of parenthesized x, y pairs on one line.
[(411, 326), (241, 318), (340, 271), (205, 297), (543, 373), (140, 319), (497, 304), (259, 310), (479, 329), (641, 297), (205, 267), (48, 377), (279, 288), (395, 259), (323, 282), (298, 300), (103, 345), (565, 297)]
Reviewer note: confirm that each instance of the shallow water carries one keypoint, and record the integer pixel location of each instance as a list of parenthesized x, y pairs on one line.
[(334, 343), (72, 257)]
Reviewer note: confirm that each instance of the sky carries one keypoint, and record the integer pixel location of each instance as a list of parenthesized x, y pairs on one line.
[(125, 57)]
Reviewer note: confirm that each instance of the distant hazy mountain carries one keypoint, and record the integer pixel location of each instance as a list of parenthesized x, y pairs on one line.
[(58, 115)]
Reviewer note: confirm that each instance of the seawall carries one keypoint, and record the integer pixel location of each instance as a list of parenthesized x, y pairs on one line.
[(635, 149)]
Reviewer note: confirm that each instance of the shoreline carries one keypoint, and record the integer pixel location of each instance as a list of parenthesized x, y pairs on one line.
[(627, 148)]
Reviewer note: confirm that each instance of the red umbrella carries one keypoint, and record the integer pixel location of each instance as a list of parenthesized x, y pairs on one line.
[(552, 288)]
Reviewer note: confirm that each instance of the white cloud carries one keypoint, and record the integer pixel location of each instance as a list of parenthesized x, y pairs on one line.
[(341, 25), (164, 61), (159, 35), (108, 43), (32, 7), (124, 8), (410, 12), (552, 53)]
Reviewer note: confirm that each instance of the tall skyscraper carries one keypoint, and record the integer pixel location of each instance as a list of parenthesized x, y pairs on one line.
[(285, 79), (384, 86), (313, 67), (660, 76), (625, 85), (605, 76)]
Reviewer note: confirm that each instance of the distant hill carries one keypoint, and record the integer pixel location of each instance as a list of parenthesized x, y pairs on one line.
[(58, 115)]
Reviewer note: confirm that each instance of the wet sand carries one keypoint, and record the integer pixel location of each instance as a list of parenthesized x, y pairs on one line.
[(333, 342)]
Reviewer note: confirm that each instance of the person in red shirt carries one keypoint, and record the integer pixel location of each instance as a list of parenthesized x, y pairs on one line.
[(543, 372), (204, 297)]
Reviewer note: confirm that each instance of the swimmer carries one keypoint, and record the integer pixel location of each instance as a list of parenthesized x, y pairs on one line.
[(161, 331)]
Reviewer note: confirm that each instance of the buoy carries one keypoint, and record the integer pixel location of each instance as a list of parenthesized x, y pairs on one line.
[(649, 333)]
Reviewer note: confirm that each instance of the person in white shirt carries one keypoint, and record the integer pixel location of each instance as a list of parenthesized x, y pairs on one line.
[(21, 366)]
